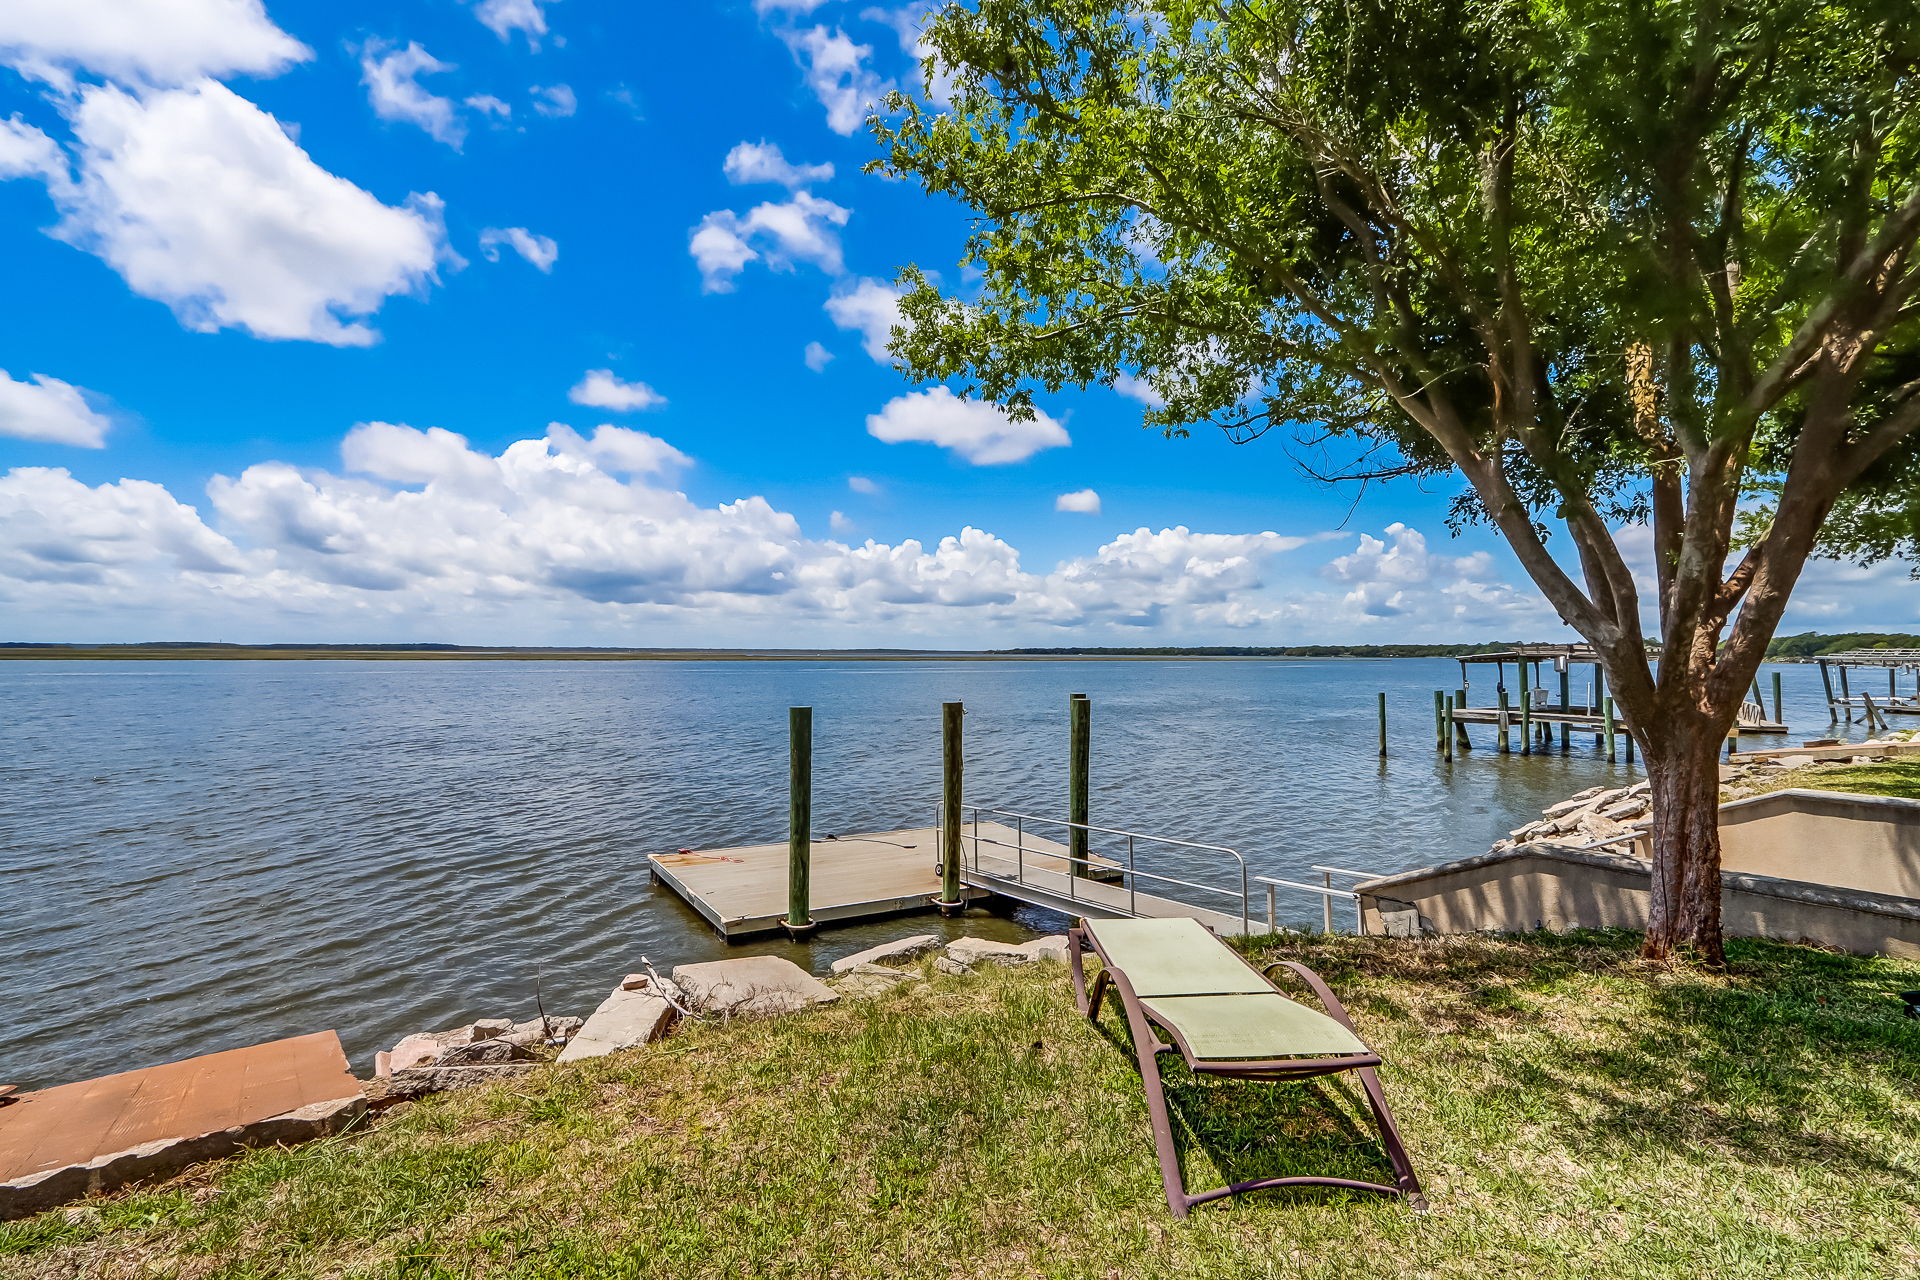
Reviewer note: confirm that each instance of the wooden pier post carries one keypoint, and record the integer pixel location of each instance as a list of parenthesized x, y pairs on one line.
[(1383, 731), (1446, 734), (1506, 744), (1826, 682), (1758, 701), (1526, 711), (1079, 752), (1439, 720), (1566, 693), (1846, 697), (799, 921), (1777, 717), (1606, 728), (1866, 704), (950, 902)]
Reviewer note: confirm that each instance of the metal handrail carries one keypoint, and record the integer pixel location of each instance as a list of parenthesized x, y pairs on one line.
[(1326, 891), (1131, 870)]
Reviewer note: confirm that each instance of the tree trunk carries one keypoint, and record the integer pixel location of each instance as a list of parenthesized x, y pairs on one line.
[(1683, 772)]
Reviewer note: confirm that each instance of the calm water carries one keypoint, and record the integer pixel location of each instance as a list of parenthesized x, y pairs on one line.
[(201, 855)]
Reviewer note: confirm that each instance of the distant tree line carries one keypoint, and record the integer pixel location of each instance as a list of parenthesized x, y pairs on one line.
[(1811, 644), (1273, 651)]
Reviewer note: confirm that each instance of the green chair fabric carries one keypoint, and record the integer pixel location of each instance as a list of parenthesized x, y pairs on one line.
[(1174, 957), (1220, 1028)]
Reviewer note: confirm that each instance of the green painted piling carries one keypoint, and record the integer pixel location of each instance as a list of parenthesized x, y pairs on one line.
[(951, 779), (1526, 722), (1566, 692), (1777, 717), (1446, 734), (1758, 701), (1383, 730), (1439, 720), (799, 921), (1079, 752), (1607, 729), (1506, 743)]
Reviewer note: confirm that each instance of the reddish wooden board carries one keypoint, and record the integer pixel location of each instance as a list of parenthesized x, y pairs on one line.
[(73, 1124)]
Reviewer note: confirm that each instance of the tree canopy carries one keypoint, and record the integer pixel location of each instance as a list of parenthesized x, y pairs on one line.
[(1616, 262)]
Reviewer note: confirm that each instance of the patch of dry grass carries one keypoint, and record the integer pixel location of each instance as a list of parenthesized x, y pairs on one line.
[(1572, 1112)]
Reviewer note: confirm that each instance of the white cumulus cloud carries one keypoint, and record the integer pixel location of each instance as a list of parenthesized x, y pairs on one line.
[(862, 485), (976, 430), (1084, 501), (600, 389), (541, 251), (504, 17), (143, 42), (837, 71), (816, 356), (762, 161), (803, 228), (49, 410), (203, 201), (872, 309), (392, 77)]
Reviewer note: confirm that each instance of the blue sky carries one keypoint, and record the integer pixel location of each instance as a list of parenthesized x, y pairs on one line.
[(262, 260)]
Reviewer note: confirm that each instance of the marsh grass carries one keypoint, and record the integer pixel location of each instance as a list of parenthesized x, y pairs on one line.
[(1572, 1112)]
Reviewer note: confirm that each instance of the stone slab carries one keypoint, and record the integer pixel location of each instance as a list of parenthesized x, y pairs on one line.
[(625, 1020), (899, 952), (76, 1139), (750, 986)]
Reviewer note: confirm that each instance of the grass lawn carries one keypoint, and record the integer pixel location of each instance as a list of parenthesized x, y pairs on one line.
[(1898, 776), (1573, 1114)]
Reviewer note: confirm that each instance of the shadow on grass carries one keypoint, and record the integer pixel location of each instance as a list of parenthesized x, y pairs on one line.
[(1229, 1131), (1795, 1054)]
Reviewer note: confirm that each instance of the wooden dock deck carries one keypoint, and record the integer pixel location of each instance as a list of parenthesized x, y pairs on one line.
[(743, 891)]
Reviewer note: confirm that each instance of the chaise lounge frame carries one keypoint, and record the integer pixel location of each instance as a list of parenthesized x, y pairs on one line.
[(1148, 1046)]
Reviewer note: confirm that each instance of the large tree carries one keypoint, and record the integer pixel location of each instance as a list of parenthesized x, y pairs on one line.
[(1621, 265)]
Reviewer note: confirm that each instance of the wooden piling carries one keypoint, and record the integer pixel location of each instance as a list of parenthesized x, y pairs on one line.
[(1777, 717), (1758, 701), (1826, 682), (1866, 706), (950, 902), (799, 921), (1566, 691), (1079, 752), (1506, 743), (1526, 712), (1439, 720), (1383, 730), (1446, 733), (1845, 696), (1606, 728)]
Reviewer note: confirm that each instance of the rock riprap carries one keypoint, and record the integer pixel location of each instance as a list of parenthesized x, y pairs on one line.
[(752, 986)]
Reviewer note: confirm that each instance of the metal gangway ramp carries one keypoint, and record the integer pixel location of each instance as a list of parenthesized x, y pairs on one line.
[(1027, 869)]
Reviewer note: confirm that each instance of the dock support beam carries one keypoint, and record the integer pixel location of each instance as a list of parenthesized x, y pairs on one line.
[(1446, 735), (1383, 731), (950, 902), (1079, 766), (1506, 743), (1777, 717), (1826, 682), (1439, 720), (1526, 722), (1846, 697), (1606, 729), (799, 922)]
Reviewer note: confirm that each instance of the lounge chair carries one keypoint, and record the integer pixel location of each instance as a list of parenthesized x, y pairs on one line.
[(1226, 1019)]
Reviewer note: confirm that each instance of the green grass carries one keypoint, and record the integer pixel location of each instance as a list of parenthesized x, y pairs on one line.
[(1897, 776), (1572, 1112)]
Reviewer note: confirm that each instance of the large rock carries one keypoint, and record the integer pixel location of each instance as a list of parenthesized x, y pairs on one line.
[(625, 1020), (889, 953), (1052, 947), (750, 986), (418, 1082), (425, 1047), (869, 980), (979, 951), (538, 1031), (484, 1053)]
